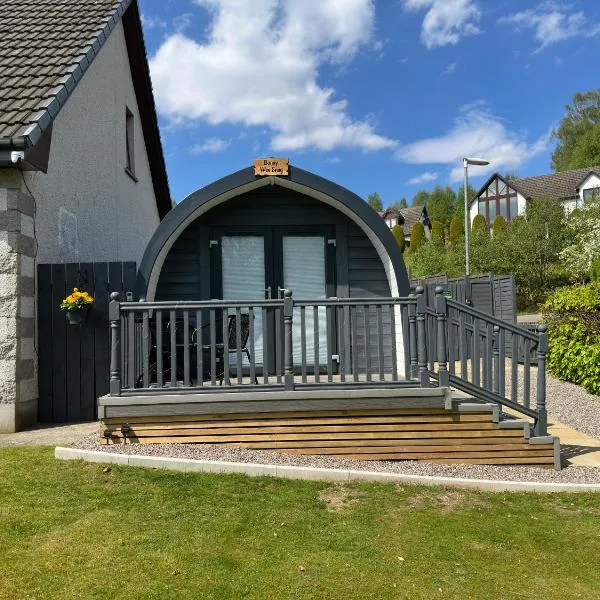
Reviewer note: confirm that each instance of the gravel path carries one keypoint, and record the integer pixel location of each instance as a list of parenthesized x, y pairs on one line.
[(566, 402), (234, 454)]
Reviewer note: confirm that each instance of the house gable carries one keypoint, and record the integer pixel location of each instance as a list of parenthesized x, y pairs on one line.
[(38, 79)]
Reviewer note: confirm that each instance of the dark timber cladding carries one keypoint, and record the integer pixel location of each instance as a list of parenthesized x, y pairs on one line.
[(299, 199)]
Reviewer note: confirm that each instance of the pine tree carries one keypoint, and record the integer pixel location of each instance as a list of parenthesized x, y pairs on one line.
[(437, 232), (456, 231), (479, 225), (398, 233), (417, 236), (499, 227)]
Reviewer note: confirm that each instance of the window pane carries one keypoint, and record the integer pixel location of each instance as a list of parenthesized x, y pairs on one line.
[(492, 189), (304, 274), (514, 207), (492, 206), (243, 270), (481, 208), (504, 207), (501, 188)]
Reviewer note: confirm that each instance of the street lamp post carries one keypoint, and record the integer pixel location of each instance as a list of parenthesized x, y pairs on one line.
[(466, 163)]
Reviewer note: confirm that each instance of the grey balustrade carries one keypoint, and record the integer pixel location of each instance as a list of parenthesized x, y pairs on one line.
[(184, 347)]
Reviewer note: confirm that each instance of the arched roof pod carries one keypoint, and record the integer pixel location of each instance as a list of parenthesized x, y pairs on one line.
[(245, 181)]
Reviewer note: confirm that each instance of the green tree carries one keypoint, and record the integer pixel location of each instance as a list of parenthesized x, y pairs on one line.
[(398, 234), (578, 134), (533, 246), (417, 236), (479, 226), (584, 247), (400, 204), (457, 231), (374, 201), (437, 232), (420, 198), (499, 227), (459, 205), (429, 259), (440, 204)]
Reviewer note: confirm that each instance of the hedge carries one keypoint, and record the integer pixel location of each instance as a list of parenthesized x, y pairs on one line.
[(573, 318)]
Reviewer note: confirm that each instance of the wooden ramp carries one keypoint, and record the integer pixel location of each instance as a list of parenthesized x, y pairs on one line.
[(451, 432)]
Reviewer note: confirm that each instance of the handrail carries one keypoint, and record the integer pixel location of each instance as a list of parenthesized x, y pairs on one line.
[(479, 344), (192, 345), (491, 319)]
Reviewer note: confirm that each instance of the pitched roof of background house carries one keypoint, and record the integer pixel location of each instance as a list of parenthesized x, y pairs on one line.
[(412, 215), (47, 46), (563, 185)]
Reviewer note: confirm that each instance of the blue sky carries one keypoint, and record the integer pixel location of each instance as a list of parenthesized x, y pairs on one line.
[(382, 95)]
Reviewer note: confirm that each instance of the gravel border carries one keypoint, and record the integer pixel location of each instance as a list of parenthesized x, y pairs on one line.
[(187, 465), (234, 454)]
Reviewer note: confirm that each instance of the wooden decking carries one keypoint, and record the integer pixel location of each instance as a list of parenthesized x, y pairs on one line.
[(367, 429)]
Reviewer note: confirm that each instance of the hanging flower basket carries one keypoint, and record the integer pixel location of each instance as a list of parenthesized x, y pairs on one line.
[(76, 306)]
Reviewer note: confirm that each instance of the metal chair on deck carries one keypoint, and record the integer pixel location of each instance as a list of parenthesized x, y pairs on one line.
[(232, 343)]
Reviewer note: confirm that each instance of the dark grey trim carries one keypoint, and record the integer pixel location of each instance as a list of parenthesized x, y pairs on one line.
[(244, 177)]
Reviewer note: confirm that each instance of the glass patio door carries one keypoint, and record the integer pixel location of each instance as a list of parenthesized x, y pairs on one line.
[(304, 272), (244, 278)]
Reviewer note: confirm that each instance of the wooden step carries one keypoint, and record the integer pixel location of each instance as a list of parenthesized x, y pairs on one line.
[(434, 435)]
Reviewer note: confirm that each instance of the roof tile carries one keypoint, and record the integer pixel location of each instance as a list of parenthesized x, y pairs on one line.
[(43, 41)]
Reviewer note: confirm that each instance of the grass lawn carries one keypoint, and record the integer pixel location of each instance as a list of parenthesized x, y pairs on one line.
[(72, 530)]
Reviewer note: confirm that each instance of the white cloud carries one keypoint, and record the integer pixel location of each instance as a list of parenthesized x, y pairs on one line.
[(182, 22), (211, 146), (150, 22), (260, 67), (426, 177), (552, 23), (446, 21), (475, 133), (451, 68)]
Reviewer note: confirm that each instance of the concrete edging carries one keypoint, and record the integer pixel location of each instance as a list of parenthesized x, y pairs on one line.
[(313, 473)]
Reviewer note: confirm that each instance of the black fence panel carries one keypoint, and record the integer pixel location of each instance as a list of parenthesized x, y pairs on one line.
[(74, 359)]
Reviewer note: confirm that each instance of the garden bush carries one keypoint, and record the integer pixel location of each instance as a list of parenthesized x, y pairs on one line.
[(573, 318)]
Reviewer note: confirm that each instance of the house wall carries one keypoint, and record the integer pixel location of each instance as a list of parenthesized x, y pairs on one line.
[(88, 208), (18, 368), (593, 181), (85, 208)]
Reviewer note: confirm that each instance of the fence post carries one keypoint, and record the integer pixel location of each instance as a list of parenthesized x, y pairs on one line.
[(541, 426), (412, 338), (441, 310), (497, 365), (421, 337), (115, 344), (288, 312)]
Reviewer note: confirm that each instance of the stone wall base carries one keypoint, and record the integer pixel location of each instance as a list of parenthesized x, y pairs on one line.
[(15, 417)]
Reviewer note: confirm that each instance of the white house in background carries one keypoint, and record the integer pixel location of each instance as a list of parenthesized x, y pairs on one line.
[(508, 197)]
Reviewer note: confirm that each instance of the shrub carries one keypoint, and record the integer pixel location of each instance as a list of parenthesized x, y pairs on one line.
[(499, 227), (595, 270), (417, 236), (479, 226), (456, 231), (398, 234), (437, 232), (573, 317)]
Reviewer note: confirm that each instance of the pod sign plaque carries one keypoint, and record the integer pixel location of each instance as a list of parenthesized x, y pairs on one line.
[(271, 166)]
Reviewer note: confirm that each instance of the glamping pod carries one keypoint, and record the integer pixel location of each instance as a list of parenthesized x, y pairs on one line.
[(273, 310)]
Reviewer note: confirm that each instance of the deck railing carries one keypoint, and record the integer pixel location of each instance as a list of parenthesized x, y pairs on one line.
[(488, 358), (191, 347), (194, 346)]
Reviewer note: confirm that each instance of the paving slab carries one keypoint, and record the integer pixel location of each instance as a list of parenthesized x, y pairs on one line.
[(50, 435)]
